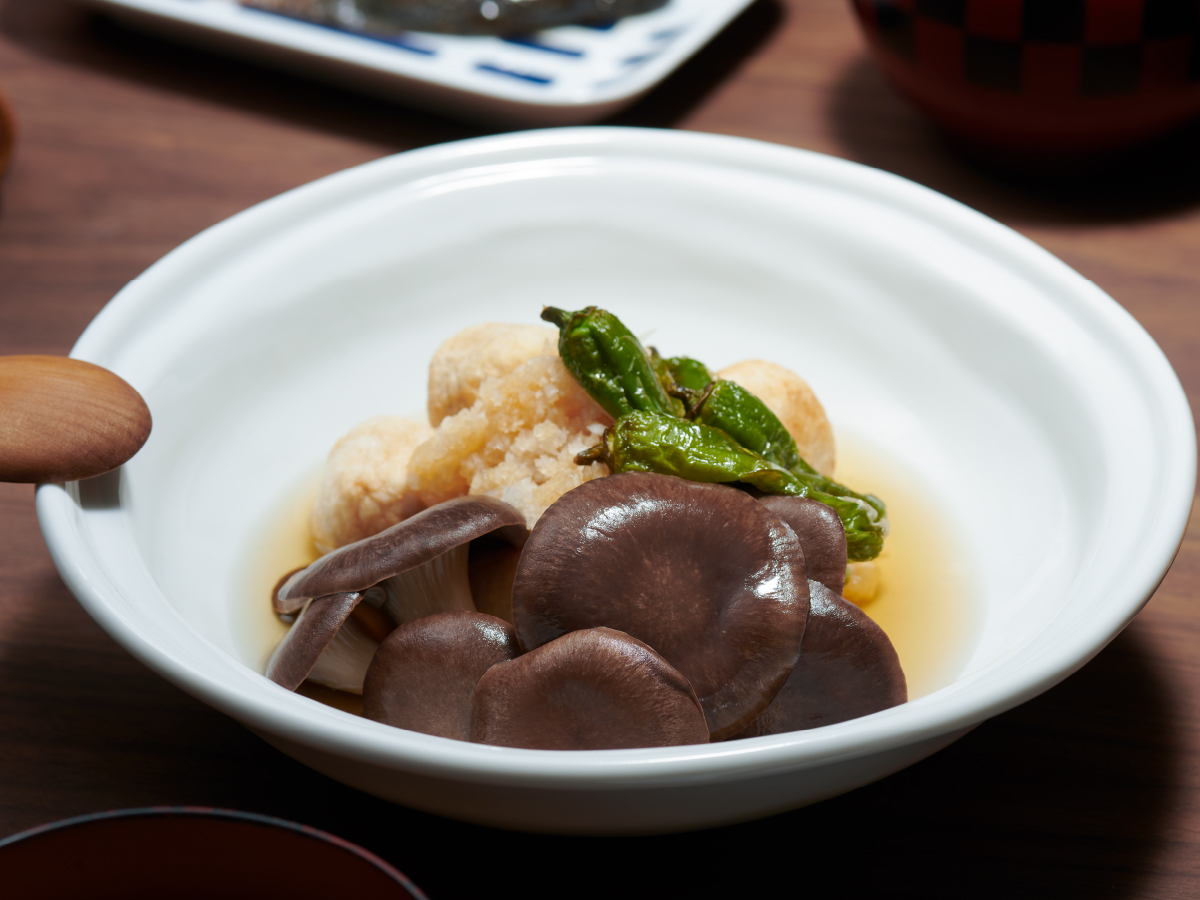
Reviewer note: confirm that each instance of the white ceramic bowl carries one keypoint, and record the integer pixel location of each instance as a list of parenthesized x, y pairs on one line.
[(1049, 426)]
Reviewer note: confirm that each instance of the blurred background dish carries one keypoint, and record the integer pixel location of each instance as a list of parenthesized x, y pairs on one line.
[(186, 852), (1042, 78), (563, 76), (502, 18)]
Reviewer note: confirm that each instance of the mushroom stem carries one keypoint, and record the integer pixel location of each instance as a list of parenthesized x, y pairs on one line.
[(343, 664), (440, 585), (314, 629)]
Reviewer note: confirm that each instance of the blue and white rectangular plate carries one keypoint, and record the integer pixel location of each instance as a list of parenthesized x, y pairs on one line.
[(561, 76)]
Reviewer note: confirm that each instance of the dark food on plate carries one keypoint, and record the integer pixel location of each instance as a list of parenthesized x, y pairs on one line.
[(593, 689), (424, 674), (848, 668), (414, 569), (703, 573), (319, 622), (821, 535), (692, 595), (477, 17)]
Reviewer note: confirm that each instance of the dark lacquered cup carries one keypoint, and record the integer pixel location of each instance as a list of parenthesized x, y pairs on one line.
[(1053, 77), (191, 852)]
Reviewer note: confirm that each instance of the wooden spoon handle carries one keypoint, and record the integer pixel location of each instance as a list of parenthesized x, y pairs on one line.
[(64, 419)]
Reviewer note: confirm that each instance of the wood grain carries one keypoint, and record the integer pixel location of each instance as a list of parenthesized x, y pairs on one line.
[(8, 133), (129, 145)]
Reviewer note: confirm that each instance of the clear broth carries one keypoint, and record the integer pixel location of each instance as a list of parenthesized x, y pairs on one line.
[(284, 543), (925, 603)]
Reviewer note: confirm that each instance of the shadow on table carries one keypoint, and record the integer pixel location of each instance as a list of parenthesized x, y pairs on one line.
[(879, 128), (59, 30), (1066, 796), (694, 81)]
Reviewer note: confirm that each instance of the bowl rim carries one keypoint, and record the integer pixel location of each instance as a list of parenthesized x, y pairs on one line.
[(221, 814), (278, 712)]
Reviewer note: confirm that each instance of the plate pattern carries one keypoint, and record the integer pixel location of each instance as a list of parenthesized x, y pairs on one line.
[(574, 73)]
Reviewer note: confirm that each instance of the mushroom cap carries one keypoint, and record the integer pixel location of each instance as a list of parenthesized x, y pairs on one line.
[(703, 573), (288, 606), (308, 637), (423, 676), (821, 534), (848, 668), (404, 546), (594, 689)]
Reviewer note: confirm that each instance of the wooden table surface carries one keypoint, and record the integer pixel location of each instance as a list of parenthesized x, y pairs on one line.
[(129, 145)]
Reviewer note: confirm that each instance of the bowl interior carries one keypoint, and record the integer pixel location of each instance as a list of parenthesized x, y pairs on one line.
[(1002, 387)]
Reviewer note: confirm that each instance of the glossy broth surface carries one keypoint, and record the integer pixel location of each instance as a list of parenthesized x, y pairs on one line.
[(926, 602)]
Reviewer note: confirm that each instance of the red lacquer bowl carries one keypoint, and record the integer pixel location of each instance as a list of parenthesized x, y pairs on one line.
[(1054, 77), (191, 852)]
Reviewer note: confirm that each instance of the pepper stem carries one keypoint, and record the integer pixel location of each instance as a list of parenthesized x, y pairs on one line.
[(602, 452), (692, 400), (599, 453), (556, 316)]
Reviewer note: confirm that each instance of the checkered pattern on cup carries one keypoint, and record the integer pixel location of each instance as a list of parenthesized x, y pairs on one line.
[(1065, 48)]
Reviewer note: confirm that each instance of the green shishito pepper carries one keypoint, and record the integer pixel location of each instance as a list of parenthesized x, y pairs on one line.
[(609, 362), (666, 377), (720, 432), (689, 374), (642, 441), (746, 419)]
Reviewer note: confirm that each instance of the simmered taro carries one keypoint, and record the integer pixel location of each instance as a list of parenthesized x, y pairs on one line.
[(703, 573), (848, 668), (821, 535), (423, 676), (595, 689)]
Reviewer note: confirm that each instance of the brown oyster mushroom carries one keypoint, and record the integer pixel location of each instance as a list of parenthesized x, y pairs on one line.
[(703, 573), (286, 609), (312, 638), (821, 534), (423, 677), (371, 618), (594, 689), (848, 668), (419, 565)]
